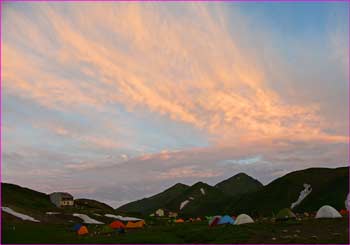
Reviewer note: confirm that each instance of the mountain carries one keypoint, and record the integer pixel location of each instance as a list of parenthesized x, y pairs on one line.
[(329, 186), (150, 204), (198, 200), (239, 184)]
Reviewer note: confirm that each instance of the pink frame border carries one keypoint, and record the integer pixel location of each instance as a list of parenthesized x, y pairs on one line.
[(2, 1)]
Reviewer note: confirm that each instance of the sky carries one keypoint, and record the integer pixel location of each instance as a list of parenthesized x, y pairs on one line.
[(117, 101)]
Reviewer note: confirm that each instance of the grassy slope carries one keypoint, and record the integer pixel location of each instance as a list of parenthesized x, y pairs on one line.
[(24, 198), (308, 231), (330, 186), (93, 206)]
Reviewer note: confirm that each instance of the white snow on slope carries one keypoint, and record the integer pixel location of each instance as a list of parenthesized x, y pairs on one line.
[(52, 213), (303, 194), (203, 191), (18, 215), (119, 217), (347, 202), (86, 219), (192, 198), (183, 204)]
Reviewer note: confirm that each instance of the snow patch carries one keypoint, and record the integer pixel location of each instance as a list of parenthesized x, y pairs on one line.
[(119, 217), (86, 219), (97, 214), (203, 191), (52, 213), (183, 204), (192, 198), (18, 215), (303, 194)]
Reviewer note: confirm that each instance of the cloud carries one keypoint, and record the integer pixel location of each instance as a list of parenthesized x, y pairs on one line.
[(205, 76), (188, 172)]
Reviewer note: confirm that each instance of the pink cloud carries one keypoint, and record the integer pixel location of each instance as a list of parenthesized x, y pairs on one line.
[(202, 78)]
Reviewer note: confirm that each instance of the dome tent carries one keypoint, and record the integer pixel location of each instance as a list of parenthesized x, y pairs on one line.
[(285, 214), (327, 212), (132, 225), (82, 230), (243, 219), (226, 220), (116, 224), (179, 221), (215, 220)]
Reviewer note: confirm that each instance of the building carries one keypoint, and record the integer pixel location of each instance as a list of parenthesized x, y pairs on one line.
[(172, 214), (159, 212), (62, 199)]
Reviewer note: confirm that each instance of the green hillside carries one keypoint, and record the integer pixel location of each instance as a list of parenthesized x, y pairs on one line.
[(93, 206), (239, 184), (148, 205), (329, 186), (24, 198)]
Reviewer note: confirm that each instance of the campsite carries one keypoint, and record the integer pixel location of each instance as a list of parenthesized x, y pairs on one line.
[(306, 231)]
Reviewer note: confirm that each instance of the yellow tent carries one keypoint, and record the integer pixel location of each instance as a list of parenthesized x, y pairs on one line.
[(82, 230), (179, 221), (138, 224)]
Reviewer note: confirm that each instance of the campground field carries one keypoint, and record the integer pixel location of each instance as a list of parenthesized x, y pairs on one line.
[(306, 231)]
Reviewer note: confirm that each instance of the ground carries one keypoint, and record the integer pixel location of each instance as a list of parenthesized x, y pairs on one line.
[(306, 231)]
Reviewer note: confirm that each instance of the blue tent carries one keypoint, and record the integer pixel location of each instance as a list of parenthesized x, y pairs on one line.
[(226, 220), (76, 227)]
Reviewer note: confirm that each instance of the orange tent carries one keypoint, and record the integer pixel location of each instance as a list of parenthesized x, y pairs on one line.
[(116, 225), (83, 230), (138, 224), (179, 221)]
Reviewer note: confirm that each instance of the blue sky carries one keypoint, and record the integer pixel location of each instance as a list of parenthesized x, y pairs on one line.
[(135, 97)]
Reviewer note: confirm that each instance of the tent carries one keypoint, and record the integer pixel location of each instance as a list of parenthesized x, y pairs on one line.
[(226, 220), (198, 219), (76, 227), (116, 224), (344, 212), (208, 217), (179, 221), (214, 221), (243, 219), (327, 212), (83, 230), (106, 229), (132, 225), (285, 214)]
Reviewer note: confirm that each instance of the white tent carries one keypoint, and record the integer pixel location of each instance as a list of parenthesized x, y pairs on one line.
[(327, 212), (243, 219)]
